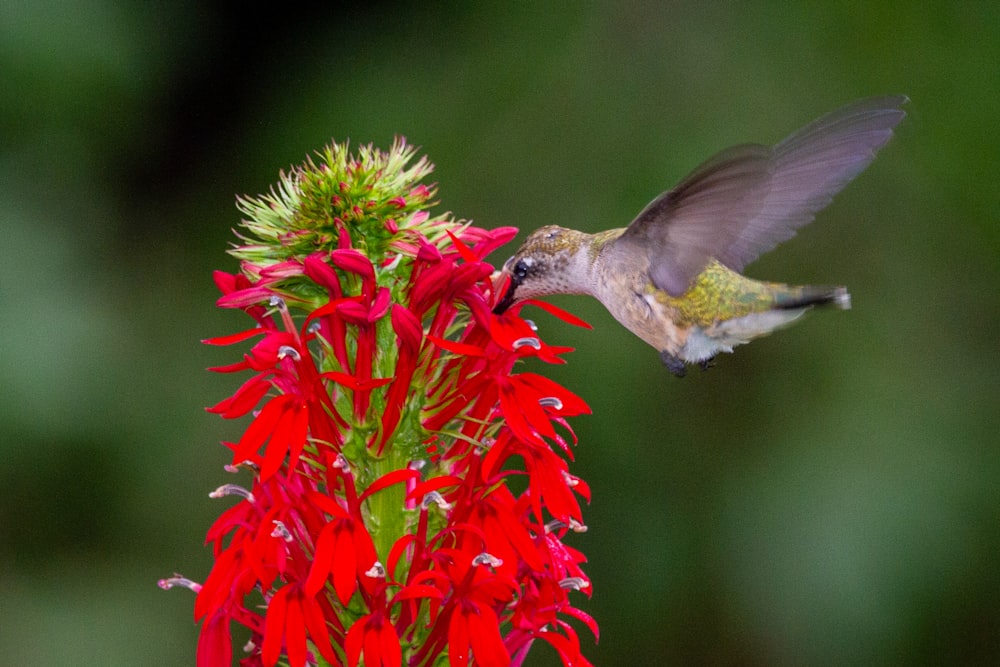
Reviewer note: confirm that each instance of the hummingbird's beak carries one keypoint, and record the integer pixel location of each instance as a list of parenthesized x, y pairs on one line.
[(504, 285)]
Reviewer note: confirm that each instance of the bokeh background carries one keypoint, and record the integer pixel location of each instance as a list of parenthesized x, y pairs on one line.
[(828, 495)]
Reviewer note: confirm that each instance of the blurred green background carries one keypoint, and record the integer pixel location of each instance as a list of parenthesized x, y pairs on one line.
[(828, 495)]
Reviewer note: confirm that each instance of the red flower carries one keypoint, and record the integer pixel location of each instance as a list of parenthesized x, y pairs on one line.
[(373, 636), (378, 525)]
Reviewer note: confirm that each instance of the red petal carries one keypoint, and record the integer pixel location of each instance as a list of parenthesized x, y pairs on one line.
[(388, 479), (364, 555), (226, 282), (345, 566), (322, 560), (407, 326), (463, 249), (274, 626), (423, 488), (519, 538), (353, 312), (315, 622), (416, 591), (562, 646), (569, 318), (322, 273), (231, 368), (586, 618), (245, 298), (520, 406), (353, 383), (487, 645), (458, 640), (244, 400), (215, 644), (235, 338), (297, 433), (456, 347), (373, 646), (493, 239), (353, 262), (295, 633), (546, 472), (397, 551), (572, 404), (354, 640), (332, 306), (327, 504), (392, 654), (496, 455), (260, 429), (380, 305), (428, 252), (281, 442)]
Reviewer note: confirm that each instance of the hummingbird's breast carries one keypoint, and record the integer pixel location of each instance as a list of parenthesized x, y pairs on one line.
[(625, 289)]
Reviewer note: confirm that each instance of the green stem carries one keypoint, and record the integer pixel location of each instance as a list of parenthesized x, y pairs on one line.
[(387, 513)]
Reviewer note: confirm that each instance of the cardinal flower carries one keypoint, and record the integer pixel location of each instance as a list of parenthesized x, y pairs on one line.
[(374, 523)]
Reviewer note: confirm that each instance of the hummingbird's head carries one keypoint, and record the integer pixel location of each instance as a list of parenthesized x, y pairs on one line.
[(544, 264)]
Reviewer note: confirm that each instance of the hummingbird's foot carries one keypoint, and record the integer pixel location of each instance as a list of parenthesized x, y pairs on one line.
[(673, 364), (707, 363)]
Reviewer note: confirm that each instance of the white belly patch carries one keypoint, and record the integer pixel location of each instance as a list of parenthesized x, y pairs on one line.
[(703, 344)]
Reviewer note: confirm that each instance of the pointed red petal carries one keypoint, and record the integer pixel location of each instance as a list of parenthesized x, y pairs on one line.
[(487, 645), (569, 318), (423, 488), (463, 249), (388, 479), (260, 429), (353, 262), (322, 560), (392, 654), (327, 504), (456, 347), (244, 400), (281, 442), (215, 644), (354, 641), (312, 614), (407, 326), (295, 633), (345, 567), (417, 591), (274, 626), (234, 338), (458, 640)]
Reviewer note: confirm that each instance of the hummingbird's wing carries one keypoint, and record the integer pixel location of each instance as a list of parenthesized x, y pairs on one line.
[(747, 199)]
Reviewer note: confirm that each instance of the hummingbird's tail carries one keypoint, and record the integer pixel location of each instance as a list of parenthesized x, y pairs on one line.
[(803, 297)]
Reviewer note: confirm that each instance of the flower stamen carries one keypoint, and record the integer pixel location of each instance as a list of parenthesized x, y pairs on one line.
[(527, 341), (486, 559), (376, 571), (574, 583), (435, 498), (178, 580), (281, 531), (232, 490)]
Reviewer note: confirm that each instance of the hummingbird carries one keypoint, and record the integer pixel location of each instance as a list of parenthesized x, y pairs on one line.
[(673, 275)]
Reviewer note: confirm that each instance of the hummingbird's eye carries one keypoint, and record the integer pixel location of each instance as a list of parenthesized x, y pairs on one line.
[(520, 270)]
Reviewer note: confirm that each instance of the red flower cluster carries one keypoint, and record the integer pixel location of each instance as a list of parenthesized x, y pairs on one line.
[(380, 527)]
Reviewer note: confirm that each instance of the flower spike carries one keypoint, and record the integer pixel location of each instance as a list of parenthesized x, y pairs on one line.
[(385, 420)]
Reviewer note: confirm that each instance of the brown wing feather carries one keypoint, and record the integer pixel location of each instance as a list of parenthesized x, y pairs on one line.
[(745, 200)]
